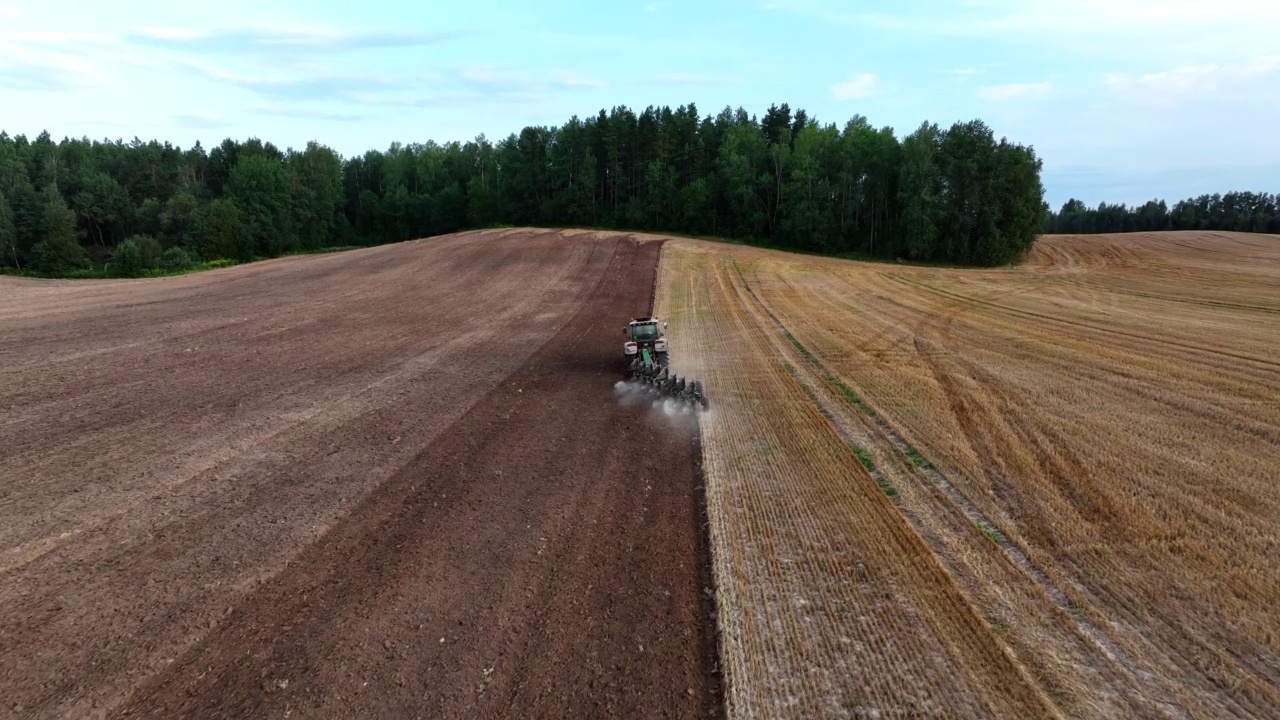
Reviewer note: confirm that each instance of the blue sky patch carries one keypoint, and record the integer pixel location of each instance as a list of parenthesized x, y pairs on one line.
[(1124, 101)]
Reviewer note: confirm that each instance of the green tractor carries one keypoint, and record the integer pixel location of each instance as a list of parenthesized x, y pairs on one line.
[(645, 353)]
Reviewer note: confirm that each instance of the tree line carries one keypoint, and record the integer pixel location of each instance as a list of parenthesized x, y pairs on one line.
[(783, 179), (1235, 211)]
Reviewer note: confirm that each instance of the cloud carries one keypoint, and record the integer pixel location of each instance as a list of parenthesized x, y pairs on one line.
[(59, 40), (1170, 87), (164, 35), (972, 70), (575, 80), (25, 67), (485, 86), (462, 100), (1141, 16), (455, 87), (280, 40), (287, 64), (859, 86), (193, 121), (1103, 27), (1131, 17), (694, 79), (1012, 91), (464, 87), (309, 114), (496, 79), (31, 77), (1135, 186), (311, 86)]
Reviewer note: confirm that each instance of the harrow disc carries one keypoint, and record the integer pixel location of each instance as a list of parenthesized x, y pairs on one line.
[(661, 381)]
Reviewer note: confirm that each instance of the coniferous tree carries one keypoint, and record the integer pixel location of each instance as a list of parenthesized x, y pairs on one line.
[(8, 233), (58, 252)]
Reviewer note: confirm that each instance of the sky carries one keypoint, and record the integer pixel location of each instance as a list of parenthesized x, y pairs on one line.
[(1124, 101)]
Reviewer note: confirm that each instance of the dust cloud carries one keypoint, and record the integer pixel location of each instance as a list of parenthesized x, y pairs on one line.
[(668, 411)]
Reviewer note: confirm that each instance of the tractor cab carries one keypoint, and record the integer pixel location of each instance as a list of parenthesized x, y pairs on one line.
[(644, 329), (645, 339)]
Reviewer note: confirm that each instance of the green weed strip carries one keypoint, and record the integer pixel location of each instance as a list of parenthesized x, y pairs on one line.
[(865, 458), (862, 454)]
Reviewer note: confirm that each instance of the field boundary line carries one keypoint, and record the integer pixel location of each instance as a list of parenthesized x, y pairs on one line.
[(712, 637)]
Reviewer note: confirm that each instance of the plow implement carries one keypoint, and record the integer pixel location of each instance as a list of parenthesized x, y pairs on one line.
[(658, 379), (646, 351)]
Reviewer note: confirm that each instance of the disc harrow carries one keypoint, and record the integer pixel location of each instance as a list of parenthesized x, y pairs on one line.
[(661, 381)]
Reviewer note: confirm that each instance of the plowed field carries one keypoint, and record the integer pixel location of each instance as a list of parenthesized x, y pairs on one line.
[(1041, 491), (387, 483)]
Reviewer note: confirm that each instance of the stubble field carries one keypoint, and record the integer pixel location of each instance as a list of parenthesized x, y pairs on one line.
[(1039, 491)]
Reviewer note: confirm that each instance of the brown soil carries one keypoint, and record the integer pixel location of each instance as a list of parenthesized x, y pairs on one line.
[(387, 483)]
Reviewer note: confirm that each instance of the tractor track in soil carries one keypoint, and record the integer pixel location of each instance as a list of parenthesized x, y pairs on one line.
[(388, 483)]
